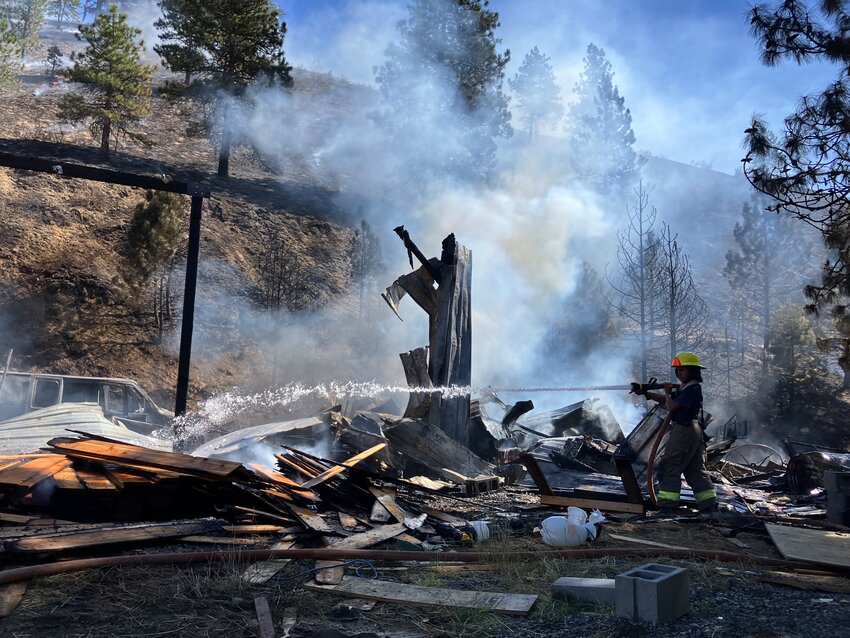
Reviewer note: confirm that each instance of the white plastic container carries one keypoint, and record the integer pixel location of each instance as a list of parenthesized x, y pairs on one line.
[(559, 531), (571, 530)]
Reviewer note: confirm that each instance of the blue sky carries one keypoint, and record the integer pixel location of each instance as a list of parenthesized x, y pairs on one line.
[(688, 69)]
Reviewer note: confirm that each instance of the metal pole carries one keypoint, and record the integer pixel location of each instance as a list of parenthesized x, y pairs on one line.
[(189, 305)]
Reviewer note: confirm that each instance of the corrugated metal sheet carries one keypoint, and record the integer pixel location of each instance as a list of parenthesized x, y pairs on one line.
[(31, 432), (244, 438)]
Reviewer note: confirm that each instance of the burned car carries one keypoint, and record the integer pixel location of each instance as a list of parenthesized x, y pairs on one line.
[(124, 399)]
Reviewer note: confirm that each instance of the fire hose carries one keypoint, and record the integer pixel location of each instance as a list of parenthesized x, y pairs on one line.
[(650, 464), (19, 574)]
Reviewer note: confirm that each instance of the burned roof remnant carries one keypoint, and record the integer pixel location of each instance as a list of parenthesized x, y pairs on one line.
[(449, 327)]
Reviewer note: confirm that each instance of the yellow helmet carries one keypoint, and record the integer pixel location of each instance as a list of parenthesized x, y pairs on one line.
[(686, 360)]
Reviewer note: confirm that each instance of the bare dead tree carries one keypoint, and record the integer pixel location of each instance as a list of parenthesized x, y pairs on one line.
[(684, 315), (633, 286), (367, 261), (286, 282)]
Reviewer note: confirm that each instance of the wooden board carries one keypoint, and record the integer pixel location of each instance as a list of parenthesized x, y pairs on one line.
[(384, 591), (136, 533), (33, 471), (333, 571), (348, 522), (262, 571), (818, 546), (311, 519), (119, 452), (387, 499), (336, 469), (11, 596), (605, 506), (264, 617)]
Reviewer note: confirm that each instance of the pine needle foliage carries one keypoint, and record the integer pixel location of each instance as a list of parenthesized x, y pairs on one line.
[(9, 56)]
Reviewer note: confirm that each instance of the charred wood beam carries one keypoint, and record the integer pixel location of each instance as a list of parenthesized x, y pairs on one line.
[(412, 250), (69, 169)]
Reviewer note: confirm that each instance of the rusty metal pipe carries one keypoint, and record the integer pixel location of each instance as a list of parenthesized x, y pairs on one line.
[(185, 558)]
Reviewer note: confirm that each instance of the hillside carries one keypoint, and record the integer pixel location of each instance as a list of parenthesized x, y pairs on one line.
[(65, 308)]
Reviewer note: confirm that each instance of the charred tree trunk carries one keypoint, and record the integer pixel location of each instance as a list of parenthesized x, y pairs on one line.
[(450, 327), (104, 138)]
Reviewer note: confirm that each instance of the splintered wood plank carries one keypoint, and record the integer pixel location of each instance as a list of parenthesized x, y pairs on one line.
[(118, 452), (386, 499), (818, 546), (95, 481), (348, 522), (262, 571), (390, 592), (10, 463), (443, 516), (332, 572), (32, 472), (264, 617), (287, 484), (310, 519), (336, 469), (379, 513), (11, 596), (287, 460), (137, 533), (66, 479)]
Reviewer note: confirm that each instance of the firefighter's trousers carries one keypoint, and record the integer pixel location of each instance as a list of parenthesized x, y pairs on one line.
[(684, 453)]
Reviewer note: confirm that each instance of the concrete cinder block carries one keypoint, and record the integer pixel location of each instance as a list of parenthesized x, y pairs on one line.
[(594, 590), (653, 593)]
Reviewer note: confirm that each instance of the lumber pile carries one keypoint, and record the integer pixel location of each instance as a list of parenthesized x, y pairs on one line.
[(89, 491)]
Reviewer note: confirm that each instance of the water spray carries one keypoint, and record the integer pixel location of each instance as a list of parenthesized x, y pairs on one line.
[(223, 407)]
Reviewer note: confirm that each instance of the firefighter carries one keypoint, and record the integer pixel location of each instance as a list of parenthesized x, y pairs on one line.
[(684, 452)]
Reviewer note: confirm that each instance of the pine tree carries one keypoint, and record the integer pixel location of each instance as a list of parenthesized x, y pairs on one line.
[(64, 10), (584, 323), (239, 42), (792, 345), (764, 266), (153, 240), (806, 169), (180, 40), (9, 56), (93, 8), (54, 59), (633, 284), (443, 79), (116, 85), (537, 93), (600, 129), (28, 16)]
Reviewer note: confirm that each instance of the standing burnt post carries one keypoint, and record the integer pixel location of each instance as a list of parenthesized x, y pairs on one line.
[(449, 331)]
